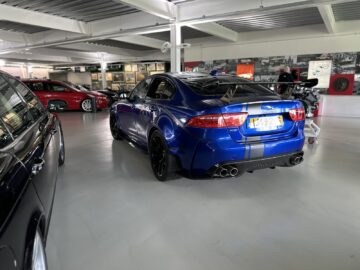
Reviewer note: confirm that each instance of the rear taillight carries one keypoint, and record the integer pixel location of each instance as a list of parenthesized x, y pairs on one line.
[(228, 120), (297, 114)]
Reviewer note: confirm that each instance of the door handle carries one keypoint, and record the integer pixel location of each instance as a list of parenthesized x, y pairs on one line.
[(37, 166)]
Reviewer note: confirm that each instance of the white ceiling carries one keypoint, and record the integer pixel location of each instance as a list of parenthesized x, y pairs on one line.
[(83, 31)]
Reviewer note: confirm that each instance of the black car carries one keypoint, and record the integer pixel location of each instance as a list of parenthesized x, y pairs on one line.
[(31, 149)]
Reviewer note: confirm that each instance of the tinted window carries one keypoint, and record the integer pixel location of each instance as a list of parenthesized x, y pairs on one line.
[(219, 86), (13, 111), (5, 137), (34, 106), (161, 89), (57, 87), (140, 90)]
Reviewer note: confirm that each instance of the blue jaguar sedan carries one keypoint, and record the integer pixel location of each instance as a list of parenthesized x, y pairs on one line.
[(203, 125)]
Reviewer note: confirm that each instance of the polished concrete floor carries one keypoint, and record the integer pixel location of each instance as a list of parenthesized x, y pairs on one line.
[(110, 212)]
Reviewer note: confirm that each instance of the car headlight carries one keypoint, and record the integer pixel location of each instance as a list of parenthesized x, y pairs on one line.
[(38, 257)]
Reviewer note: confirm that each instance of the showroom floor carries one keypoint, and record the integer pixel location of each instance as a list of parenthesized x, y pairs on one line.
[(110, 212)]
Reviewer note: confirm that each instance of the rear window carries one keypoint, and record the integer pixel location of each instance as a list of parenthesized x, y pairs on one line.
[(219, 86)]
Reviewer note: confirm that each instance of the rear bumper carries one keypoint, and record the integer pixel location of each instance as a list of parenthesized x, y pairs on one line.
[(252, 156), (234, 168)]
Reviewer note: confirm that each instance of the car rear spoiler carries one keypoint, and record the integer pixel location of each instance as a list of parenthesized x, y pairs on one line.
[(230, 93)]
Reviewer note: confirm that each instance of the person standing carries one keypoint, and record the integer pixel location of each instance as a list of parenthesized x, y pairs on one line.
[(285, 77)]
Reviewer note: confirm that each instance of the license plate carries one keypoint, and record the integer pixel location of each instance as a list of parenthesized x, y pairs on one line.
[(267, 123)]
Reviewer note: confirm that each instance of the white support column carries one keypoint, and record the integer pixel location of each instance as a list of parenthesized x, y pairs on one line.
[(175, 40), (29, 71), (103, 73)]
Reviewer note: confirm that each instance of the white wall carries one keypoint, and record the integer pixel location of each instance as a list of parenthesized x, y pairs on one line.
[(74, 77), (37, 72), (291, 41)]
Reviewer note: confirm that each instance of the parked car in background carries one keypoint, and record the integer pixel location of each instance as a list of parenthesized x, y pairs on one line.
[(218, 126), (31, 149), (113, 96), (57, 95)]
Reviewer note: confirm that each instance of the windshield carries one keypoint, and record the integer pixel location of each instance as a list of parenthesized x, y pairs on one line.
[(215, 86), (77, 87)]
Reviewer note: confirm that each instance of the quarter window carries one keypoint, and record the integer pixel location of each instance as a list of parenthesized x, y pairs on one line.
[(13, 111), (36, 86)]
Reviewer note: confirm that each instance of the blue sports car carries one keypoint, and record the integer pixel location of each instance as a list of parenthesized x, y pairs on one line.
[(219, 126)]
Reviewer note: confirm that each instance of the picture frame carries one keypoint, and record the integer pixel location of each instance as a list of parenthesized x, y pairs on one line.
[(128, 67), (130, 77), (160, 66), (99, 76), (156, 72), (134, 67), (141, 68), (94, 76), (151, 67), (141, 76), (119, 77), (109, 76)]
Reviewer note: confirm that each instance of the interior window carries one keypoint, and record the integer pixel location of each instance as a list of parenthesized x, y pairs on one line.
[(57, 87), (161, 89), (13, 111), (35, 108), (5, 137), (141, 89)]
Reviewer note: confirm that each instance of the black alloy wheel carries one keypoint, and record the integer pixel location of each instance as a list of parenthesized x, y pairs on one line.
[(115, 132), (159, 156)]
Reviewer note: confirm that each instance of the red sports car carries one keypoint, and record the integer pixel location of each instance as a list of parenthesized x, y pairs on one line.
[(57, 95)]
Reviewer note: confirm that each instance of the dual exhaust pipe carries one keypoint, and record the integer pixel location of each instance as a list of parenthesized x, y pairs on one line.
[(296, 159), (225, 171)]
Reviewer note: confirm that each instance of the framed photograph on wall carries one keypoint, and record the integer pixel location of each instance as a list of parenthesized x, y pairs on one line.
[(128, 68), (134, 67), (130, 77), (94, 76), (151, 67), (109, 76), (141, 68), (160, 66), (156, 72), (118, 77), (99, 76), (140, 76)]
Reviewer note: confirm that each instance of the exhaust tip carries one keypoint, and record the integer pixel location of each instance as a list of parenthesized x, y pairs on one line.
[(223, 172), (233, 171), (295, 160)]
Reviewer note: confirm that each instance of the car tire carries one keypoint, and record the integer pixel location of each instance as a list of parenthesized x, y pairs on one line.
[(86, 105), (159, 156), (38, 260), (62, 147), (115, 132)]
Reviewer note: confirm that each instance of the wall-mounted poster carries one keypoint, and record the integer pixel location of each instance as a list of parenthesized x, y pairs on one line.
[(128, 68), (320, 70), (140, 76), (109, 76), (141, 68), (160, 66), (151, 67), (118, 77), (94, 76), (156, 72), (134, 67), (245, 71), (99, 76), (130, 77)]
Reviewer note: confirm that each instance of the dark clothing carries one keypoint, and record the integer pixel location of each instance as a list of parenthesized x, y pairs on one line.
[(285, 77)]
